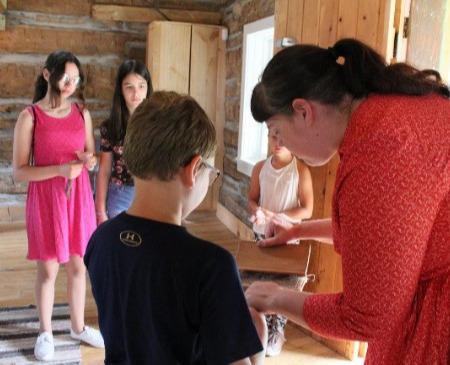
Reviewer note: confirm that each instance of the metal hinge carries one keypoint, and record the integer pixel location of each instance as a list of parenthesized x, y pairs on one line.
[(406, 28), (285, 42)]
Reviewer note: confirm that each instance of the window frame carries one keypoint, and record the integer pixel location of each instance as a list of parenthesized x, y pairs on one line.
[(258, 39)]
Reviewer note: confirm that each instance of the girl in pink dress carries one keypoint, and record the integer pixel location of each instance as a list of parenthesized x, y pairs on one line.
[(390, 219), (53, 150)]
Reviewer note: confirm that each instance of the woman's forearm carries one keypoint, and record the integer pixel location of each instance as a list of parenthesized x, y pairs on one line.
[(318, 230)]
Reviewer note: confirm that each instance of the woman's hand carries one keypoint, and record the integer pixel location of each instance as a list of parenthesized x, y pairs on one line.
[(259, 295), (271, 298), (281, 229), (88, 158)]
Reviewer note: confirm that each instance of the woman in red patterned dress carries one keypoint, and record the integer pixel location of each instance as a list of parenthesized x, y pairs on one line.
[(391, 203)]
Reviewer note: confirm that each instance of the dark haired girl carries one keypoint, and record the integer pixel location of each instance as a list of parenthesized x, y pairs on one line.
[(115, 187)]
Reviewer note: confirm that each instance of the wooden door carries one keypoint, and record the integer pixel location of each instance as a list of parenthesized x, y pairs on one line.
[(323, 22), (190, 59)]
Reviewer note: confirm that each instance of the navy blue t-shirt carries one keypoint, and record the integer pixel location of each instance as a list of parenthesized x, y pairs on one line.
[(167, 297)]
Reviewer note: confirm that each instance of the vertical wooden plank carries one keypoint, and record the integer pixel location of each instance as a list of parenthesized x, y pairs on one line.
[(319, 178), (153, 45), (444, 64), (295, 19), (203, 73), (329, 262), (331, 169), (310, 26), (386, 30), (281, 21), (347, 18), (203, 79), (220, 110), (368, 19), (328, 23), (168, 55)]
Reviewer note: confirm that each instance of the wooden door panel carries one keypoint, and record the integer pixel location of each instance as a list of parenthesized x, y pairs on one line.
[(168, 55), (347, 18), (328, 22), (310, 26), (203, 79), (204, 63), (190, 59)]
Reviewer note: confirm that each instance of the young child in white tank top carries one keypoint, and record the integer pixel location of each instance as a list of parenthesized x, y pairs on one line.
[(281, 184)]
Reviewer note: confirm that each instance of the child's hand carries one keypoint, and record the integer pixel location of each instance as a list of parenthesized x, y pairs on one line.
[(101, 217), (71, 170), (88, 158), (279, 231), (258, 218)]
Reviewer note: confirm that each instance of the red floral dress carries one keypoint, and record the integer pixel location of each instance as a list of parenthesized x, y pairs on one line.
[(391, 226)]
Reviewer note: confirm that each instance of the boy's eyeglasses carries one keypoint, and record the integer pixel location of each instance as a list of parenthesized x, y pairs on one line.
[(66, 80), (213, 172)]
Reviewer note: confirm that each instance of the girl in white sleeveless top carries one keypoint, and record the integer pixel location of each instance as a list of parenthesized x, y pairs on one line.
[(281, 184)]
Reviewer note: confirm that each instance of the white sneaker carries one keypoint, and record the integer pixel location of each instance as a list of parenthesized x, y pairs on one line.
[(89, 335), (44, 348), (275, 343)]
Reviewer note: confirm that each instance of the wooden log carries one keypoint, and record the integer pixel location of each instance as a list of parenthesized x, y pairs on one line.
[(147, 15)]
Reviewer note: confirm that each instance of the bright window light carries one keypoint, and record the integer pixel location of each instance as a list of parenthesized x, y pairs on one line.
[(257, 52)]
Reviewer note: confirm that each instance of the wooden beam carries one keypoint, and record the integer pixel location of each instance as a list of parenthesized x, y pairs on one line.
[(191, 16), (3, 5), (147, 15)]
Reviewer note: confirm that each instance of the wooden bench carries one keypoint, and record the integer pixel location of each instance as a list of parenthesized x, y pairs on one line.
[(286, 261)]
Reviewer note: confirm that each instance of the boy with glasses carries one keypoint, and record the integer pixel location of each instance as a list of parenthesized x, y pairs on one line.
[(163, 295)]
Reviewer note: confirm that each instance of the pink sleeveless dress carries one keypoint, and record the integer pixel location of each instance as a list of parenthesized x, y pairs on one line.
[(58, 226)]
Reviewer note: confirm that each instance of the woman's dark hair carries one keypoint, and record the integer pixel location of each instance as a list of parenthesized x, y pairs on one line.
[(313, 73), (116, 124), (56, 66)]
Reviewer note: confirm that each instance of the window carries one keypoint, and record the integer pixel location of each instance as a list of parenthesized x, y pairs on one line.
[(257, 51)]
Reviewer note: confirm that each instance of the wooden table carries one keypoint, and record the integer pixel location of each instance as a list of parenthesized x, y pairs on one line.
[(286, 259)]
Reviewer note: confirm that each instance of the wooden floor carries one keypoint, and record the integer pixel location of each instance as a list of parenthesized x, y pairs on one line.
[(17, 277)]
